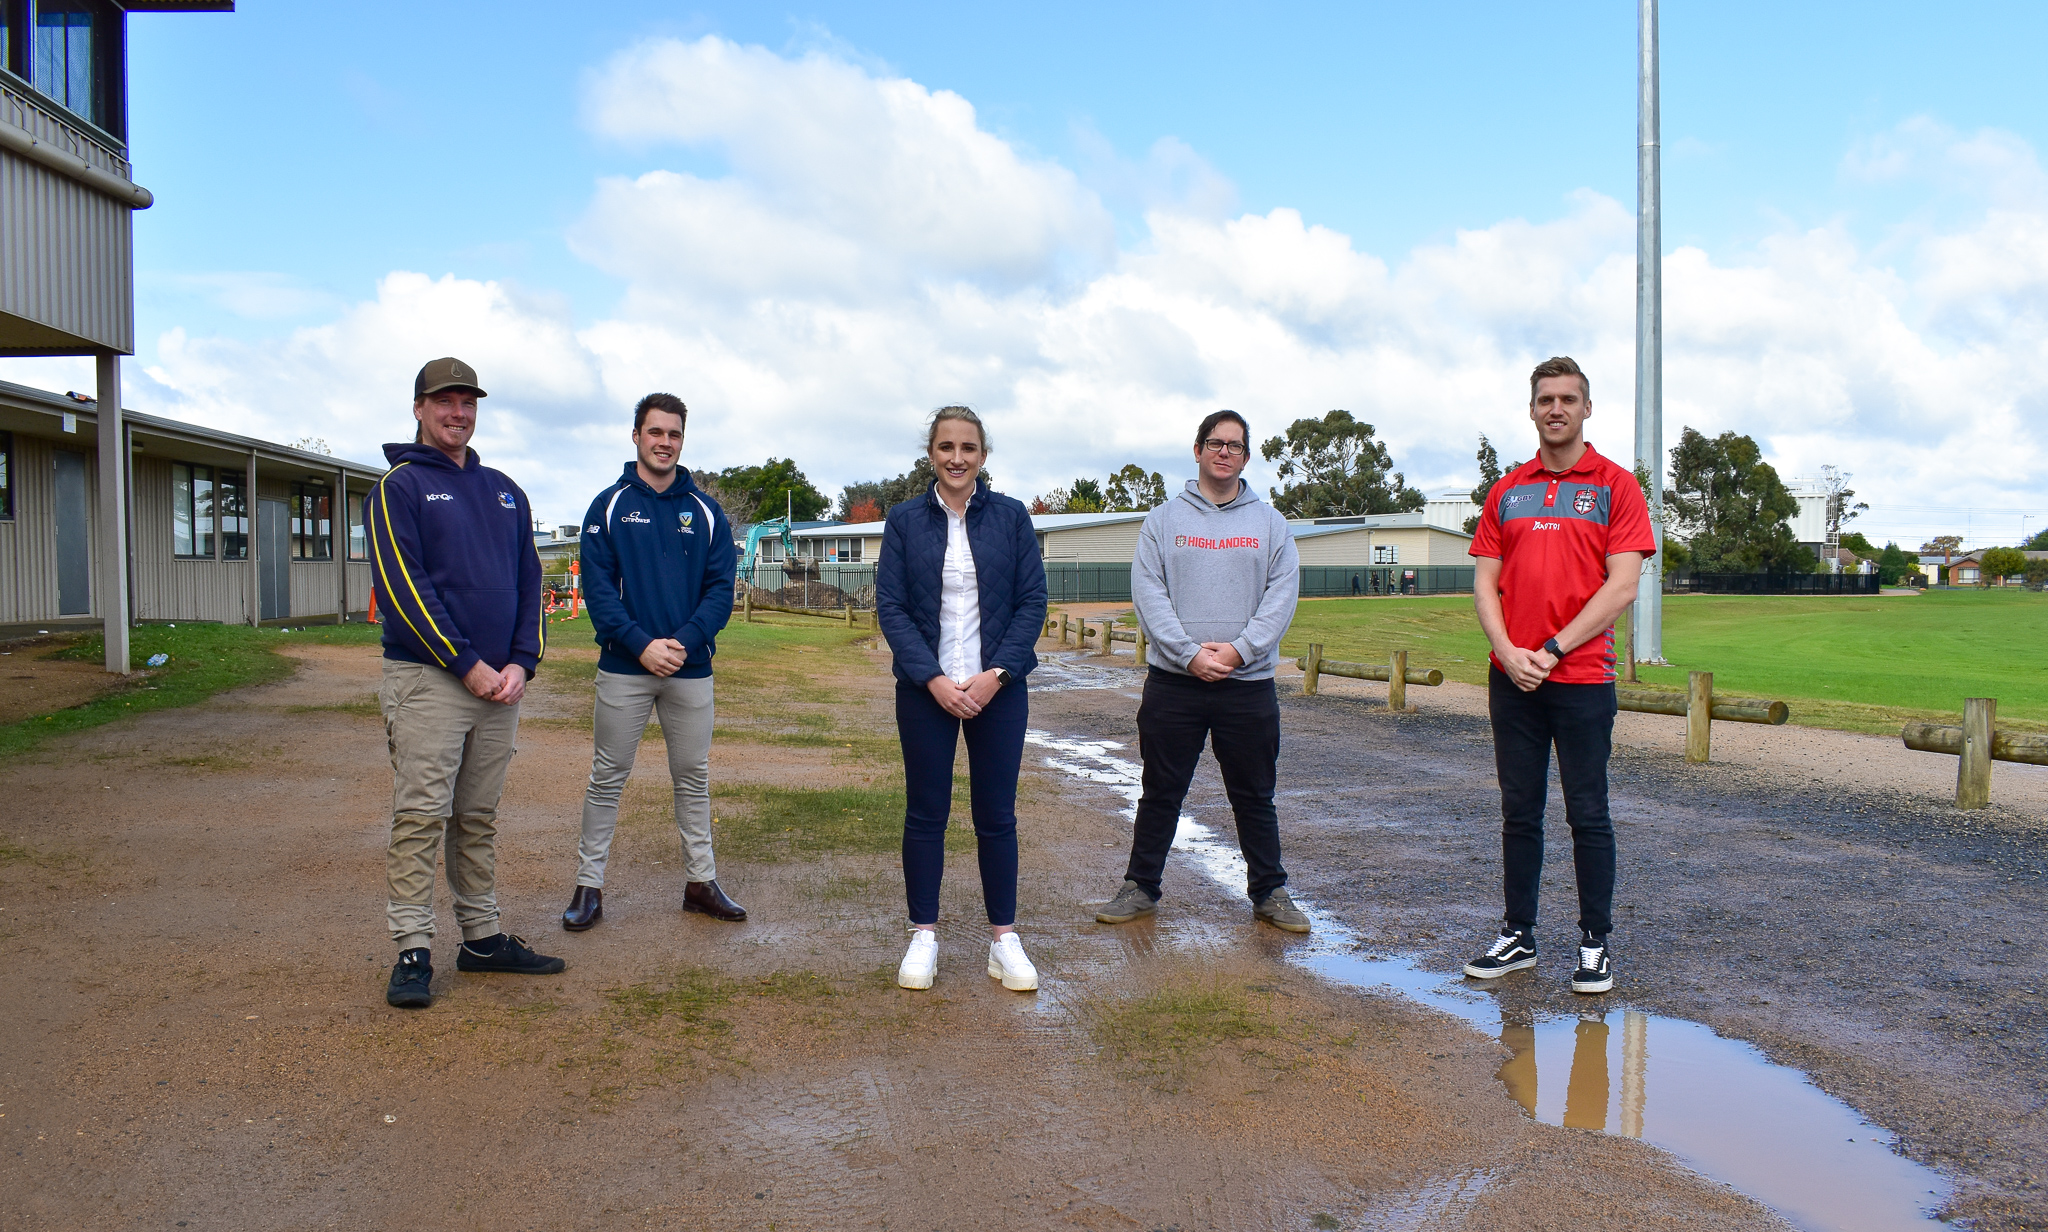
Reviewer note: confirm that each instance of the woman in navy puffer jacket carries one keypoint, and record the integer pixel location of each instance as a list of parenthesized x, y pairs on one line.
[(960, 594)]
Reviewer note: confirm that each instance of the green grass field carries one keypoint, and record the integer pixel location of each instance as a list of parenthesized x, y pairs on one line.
[(1863, 664)]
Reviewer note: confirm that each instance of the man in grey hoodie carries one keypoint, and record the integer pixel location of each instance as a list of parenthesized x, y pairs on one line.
[(1215, 579)]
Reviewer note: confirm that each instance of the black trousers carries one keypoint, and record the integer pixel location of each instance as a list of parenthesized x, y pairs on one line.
[(1240, 720), (1579, 720)]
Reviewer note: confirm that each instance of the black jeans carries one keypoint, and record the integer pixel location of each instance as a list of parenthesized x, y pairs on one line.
[(1240, 719), (995, 747), (1579, 720)]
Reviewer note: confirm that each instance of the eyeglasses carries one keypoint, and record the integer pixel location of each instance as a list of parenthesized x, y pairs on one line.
[(1218, 445)]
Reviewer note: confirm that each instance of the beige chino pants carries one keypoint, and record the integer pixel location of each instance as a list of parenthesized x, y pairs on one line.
[(449, 751)]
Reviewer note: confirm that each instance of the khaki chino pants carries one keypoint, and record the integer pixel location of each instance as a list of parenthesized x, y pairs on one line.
[(624, 702), (449, 751)]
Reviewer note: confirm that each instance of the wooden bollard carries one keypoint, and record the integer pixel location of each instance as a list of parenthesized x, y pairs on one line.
[(1973, 769), (1699, 715), (1141, 645), (1313, 671), (1397, 681), (747, 607), (1109, 636), (1066, 627), (849, 615)]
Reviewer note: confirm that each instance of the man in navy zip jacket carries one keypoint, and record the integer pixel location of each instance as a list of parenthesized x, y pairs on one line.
[(658, 567), (456, 573)]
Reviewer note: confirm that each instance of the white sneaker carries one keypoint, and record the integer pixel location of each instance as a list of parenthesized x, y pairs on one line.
[(1006, 962), (920, 961)]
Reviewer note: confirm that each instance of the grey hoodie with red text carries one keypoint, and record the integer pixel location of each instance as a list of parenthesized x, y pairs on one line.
[(1216, 573)]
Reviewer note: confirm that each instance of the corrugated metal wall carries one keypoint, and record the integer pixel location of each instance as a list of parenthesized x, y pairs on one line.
[(65, 250), (1418, 546), (1115, 543), (28, 544), (168, 588)]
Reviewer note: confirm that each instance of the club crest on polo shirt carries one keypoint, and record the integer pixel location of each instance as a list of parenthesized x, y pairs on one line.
[(1584, 501), (683, 518), (505, 499)]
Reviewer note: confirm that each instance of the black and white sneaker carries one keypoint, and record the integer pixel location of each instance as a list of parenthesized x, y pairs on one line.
[(410, 980), (1513, 950), (1596, 966), (507, 954)]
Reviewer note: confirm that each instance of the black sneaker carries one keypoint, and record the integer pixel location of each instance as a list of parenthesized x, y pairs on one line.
[(409, 981), (511, 957), (1596, 966), (1513, 950)]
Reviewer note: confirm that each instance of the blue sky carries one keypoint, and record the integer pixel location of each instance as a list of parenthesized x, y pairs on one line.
[(1860, 161)]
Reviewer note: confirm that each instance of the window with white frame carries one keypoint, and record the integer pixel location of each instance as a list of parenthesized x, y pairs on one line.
[(1386, 553), (192, 511)]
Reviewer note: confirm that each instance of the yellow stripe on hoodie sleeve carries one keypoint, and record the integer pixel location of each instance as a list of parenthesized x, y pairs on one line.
[(384, 501)]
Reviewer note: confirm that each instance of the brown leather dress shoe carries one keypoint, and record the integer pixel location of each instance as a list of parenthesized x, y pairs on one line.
[(586, 907), (705, 896)]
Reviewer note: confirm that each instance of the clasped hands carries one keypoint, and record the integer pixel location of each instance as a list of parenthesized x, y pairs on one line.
[(964, 701), (505, 688), (1215, 661), (1527, 668)]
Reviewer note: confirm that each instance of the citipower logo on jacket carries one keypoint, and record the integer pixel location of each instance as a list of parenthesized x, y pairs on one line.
[(1236, 541)]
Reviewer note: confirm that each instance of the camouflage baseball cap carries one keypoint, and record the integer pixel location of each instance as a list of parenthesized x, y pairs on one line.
[(448, 373)]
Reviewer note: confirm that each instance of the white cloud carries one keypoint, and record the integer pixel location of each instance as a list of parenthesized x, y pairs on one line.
[(869, 251)]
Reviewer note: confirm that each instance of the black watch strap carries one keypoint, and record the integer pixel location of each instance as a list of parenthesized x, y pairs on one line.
[(1550, 645), (1003, 676)]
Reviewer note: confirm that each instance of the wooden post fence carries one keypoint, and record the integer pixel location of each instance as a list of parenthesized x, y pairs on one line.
[(1397, 662), (747, 607), (1699, 715), (1141, 645), (1978, 743), (1397, 680), (1312, 668)]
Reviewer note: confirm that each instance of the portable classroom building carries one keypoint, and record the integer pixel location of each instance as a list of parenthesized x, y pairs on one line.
[(196, 547)]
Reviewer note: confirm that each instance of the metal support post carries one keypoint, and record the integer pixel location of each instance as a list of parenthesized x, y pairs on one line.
[(113, 512), (1647, 621)]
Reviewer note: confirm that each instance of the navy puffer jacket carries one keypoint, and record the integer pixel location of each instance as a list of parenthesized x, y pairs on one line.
[(1010, 583)]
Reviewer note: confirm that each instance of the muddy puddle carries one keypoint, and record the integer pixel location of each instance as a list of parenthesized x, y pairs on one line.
[(1718, 1104)]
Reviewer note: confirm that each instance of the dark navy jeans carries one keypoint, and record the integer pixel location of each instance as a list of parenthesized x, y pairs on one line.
[(995, 746), (1240, 721), (1579, 720)]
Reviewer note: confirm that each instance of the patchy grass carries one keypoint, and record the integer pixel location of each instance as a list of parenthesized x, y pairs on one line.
[(366, 707), (1855, 663), (779, 823), (205, 659), (1161, 1034)]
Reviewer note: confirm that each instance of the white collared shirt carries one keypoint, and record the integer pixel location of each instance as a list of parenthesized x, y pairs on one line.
[(959, 603)]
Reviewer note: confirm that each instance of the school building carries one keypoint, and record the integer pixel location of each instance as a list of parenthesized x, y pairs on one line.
[(67, 287), (209, 525)]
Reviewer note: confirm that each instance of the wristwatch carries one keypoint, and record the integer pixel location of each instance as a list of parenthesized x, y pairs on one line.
[(1003, 676), (1550, 645)]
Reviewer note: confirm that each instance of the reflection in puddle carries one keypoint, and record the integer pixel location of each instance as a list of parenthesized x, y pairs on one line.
[(1063, 670), (1716, 1103)]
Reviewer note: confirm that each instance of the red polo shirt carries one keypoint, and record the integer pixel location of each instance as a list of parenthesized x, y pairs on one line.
[(1553, 535)]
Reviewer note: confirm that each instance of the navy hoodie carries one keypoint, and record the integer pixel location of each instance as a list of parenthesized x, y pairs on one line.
[(453, 563), (657, 564)]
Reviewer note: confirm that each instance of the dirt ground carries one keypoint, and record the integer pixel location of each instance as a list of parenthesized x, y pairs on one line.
[(191, 903), (33, 683), (1811, 891)]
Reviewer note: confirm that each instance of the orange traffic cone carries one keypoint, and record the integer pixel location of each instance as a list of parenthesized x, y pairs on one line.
[(373, 607)]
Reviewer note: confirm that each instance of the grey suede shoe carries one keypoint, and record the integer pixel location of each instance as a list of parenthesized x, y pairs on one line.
[(1129, 903), (1279, 911)]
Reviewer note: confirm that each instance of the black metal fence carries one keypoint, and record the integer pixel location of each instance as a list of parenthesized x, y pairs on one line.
[(1772, 583), (1335, 581), (1076, 582)]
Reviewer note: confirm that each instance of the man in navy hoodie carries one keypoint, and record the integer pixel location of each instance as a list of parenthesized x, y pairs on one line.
[(451, 550), (658, 566)]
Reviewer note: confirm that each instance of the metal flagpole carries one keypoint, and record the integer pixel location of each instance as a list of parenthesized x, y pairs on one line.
[(1647, 621)]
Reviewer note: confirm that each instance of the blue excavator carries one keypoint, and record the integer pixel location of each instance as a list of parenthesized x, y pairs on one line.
[(750, 554)]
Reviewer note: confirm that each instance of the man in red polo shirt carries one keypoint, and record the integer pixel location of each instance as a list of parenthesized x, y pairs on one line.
[(1559, 547)]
